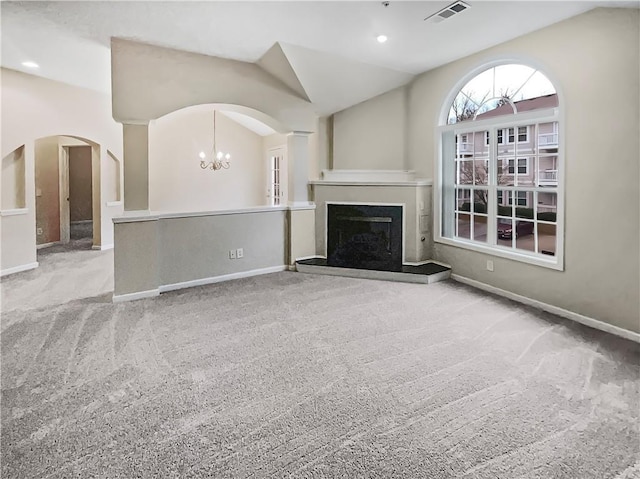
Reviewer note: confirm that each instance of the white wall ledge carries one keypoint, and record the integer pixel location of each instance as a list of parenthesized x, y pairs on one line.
[(14, 212), (140, 216)]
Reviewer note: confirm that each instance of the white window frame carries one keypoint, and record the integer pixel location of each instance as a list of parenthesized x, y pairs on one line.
[(491, 247)]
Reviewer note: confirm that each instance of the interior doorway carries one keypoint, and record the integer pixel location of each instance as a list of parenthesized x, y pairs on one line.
[(64, 194), (80, 193), (276, 176)]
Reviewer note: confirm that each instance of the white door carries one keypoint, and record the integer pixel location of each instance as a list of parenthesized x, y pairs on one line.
[(276, 176)]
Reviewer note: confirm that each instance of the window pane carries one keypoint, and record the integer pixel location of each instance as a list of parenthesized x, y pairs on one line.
[(506, 168), (547, 206), (465, 172), (548, 170), (481, 176), (546, 238), (503, 203), (504, 232), (524, 204), (525, 166), (464, 147), (480, 201), (463, 225), (463, 202), (480, 228), (525, 238), (523, 134)]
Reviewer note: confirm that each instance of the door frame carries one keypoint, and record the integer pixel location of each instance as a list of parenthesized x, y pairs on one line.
[(284, 174), (65, 215)]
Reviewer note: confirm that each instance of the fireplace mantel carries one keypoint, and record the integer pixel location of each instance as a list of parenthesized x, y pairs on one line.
[(371, 177), (378, 187)]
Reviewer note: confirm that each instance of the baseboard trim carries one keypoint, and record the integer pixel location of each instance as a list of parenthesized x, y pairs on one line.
[(46, 245), (121, 298), (218, 279), (103, 247), (19, 269), (565, 313)]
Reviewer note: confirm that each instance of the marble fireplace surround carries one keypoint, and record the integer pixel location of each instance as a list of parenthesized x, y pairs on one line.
[(379, 187)]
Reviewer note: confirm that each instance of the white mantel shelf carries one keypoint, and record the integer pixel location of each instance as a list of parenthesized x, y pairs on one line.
[(370, 178), (372, 183)]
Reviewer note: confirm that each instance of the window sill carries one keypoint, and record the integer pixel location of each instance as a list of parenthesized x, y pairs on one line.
[(553, 262)]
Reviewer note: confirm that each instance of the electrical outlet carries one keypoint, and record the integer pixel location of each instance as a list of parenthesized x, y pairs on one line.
[(232, 254), (489, 265), (39, 231), (239, 253)]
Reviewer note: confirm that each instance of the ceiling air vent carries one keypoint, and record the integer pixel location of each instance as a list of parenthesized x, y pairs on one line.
[(448, 12)]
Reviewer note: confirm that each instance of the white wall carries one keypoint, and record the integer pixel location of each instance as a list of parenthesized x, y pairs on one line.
[(371, 135), (176, 181), (32, 108)]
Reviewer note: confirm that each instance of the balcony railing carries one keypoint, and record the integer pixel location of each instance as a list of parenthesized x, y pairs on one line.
[(465, 148), (548, 178), (542, 208), (548, 140)]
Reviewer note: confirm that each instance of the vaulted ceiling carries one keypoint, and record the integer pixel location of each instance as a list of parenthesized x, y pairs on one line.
[(324, 51)]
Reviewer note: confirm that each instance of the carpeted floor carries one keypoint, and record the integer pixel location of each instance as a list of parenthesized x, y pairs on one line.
[(294, 375)]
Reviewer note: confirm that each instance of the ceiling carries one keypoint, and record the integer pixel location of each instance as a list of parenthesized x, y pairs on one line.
[(325, 51)]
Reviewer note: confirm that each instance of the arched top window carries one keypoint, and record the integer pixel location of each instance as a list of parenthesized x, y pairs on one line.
[(502, 90), (500, 167)]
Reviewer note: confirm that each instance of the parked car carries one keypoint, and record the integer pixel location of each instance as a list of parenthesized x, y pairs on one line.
[(505, 230)]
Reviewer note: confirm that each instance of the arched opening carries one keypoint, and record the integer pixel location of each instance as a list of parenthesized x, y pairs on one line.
[(188, 165), (71, 177), (13, 181), (500, 166)]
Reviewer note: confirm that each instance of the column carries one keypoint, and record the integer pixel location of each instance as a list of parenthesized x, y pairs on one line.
[(136, 166)]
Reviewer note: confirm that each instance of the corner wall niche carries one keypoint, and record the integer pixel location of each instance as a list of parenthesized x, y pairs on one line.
[(13, 181)]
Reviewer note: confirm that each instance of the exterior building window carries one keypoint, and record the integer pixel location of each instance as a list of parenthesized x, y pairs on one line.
[(522, 166), (503, 197), (523, 134)]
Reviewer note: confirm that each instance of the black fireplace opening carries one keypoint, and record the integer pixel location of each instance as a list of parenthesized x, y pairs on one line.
[(364, 236)]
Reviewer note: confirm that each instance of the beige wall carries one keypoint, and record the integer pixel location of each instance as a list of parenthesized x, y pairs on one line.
[(176, 181), (47, 191), (371, 135), (80, 201), (148, 82), (593, 60), (33, 108)]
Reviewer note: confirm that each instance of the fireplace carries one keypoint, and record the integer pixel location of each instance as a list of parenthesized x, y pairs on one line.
[(364, 236)]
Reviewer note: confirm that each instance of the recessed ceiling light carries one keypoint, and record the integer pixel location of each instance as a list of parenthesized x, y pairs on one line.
[(381, 38), (30, 64)]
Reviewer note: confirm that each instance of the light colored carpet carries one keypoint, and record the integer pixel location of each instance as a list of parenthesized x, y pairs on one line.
[(294, 375)]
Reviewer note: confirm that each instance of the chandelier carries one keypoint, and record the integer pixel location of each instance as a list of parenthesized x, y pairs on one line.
[(218, 159)]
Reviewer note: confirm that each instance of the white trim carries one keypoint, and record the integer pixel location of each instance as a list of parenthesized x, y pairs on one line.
[(136, 216), (14, 212), (121, 298), (565, 313), (46, 245), (114, 203), (312, 256), (538, 260), (19, 269), (102, 247), (412, 184), (217, 279)]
